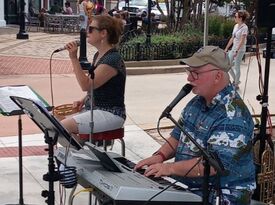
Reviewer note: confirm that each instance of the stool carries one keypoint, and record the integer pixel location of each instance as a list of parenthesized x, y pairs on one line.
[(107, 136)]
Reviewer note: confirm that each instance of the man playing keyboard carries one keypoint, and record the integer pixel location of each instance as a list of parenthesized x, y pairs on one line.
[(220, 122)]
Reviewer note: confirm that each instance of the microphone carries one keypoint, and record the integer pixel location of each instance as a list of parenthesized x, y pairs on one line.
[(63, 48), (183, 92)]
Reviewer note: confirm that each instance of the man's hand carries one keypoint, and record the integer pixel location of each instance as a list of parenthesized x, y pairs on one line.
[(159, 169), (148, 161)]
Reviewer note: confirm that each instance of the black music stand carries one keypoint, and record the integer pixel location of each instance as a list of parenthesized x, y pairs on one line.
[(54, 132), (19, 112), (20, 156)]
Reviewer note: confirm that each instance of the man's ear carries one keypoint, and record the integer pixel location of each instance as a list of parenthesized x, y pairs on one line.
[(219, 76)]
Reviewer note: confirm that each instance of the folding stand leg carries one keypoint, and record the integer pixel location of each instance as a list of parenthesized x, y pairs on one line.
[(20, 156)]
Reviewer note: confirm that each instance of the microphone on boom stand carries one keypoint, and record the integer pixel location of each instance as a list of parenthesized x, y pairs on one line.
[(186, 89)]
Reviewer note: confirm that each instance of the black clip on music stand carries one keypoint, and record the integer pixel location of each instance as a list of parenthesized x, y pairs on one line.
[(209, 160), (54, 132)]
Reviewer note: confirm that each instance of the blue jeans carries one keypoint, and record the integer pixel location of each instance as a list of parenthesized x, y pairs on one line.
[(235, 71)]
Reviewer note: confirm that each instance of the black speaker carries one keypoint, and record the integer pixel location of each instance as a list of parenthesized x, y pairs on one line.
[(265, 13)]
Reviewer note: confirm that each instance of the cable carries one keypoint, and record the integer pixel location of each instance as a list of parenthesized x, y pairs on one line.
[(82, 190), (51, 81), (61, 193), (248, 68), (158, 129)]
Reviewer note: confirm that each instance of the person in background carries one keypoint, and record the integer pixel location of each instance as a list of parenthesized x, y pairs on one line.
[(99, 7), (68, 10), (219, 121), (55, 8), (31, 10), (83, 14), (125, 17), (238, 39), (90, 10), (41, 16), (109, 80)]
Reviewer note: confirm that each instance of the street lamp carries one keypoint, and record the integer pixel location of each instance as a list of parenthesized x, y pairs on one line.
[(148, 35), (205, 34), (22, 32)]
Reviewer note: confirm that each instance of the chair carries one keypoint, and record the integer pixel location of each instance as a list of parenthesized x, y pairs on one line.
[(33, 21), (106, 137)]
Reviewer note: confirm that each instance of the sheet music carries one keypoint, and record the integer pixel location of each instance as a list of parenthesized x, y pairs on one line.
[(7, 105)]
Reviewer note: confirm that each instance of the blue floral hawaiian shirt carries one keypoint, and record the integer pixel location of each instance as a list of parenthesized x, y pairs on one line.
[(225, 127)]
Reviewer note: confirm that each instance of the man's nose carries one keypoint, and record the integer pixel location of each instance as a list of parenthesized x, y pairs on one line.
[(190, 77)]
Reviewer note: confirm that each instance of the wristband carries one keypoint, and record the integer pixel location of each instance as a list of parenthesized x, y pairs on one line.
[(160, 154)]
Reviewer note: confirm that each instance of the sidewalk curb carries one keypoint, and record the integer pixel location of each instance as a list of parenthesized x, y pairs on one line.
[(155, 70)]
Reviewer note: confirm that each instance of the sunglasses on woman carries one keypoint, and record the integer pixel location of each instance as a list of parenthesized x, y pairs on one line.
[(91, 28)]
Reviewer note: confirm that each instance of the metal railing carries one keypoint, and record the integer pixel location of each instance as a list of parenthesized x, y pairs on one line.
[(140, 51)]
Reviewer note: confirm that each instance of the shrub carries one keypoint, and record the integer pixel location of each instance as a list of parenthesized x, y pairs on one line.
[(220, 26), (173, 45)]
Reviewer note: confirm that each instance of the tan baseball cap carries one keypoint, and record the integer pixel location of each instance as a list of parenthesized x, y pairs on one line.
[(209, 55)]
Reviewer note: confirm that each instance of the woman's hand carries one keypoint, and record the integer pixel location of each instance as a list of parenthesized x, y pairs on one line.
[(72, 48), (235, 54), (78, 105)]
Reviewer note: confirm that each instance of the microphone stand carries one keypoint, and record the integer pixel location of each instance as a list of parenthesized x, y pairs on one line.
[(91, 97), (52, 175), (85, 64), (209, 160)]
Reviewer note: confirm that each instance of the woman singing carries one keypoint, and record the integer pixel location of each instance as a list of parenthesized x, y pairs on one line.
[(109, 80)]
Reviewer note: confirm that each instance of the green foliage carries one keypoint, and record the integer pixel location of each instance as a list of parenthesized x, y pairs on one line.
[(220, 26), (175, 45), (214, 25), (163, 46), (227, 28)]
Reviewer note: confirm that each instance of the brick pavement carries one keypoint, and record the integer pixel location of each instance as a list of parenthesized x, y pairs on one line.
[(28, 57), (26, 151), (32, 56), (15, 65)]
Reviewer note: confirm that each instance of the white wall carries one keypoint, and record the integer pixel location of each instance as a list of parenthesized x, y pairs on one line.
[(2, 21)]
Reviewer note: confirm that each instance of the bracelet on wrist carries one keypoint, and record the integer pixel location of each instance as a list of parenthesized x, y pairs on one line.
[(160, 154)]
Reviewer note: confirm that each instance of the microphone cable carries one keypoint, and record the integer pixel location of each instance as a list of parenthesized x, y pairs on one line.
[(51, 80), (158, 130)]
